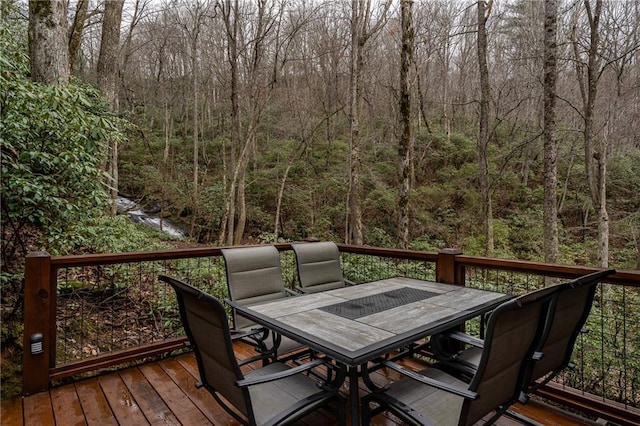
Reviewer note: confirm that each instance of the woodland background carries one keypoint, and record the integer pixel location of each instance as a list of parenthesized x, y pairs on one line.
[(279, 119), (503, 128)]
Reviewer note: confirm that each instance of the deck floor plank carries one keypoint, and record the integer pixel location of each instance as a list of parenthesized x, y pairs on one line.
[(150, 403), (164, 393), (66, 405), (546, 415), (38, 410), (124, 406), (94, 404), (11, 411), (201, 398), (175, 398), (190, 364)]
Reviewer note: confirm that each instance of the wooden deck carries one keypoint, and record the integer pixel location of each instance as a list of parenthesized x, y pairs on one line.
[(163, 392)]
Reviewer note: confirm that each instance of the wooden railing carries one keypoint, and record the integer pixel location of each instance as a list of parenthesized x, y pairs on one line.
[(81, 309)]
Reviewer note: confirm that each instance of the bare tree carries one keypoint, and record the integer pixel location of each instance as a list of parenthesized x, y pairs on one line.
[(75, 32), (108, 60), (248, 49), (197, 12), (139, 13), (361, 31), (597, 51), (436, 41), (230, 15), (404, 147), (484, 10), (588, 71), (550, 215), (108, 68), (48, 50)]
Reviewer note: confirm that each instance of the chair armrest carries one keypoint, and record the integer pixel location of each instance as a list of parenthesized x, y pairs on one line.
[(465, 338), (281, 375), (261, 357), (446, 346), (253, 333), (465, 393), (461, 366)]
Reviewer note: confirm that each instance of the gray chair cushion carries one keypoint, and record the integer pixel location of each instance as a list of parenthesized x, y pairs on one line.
[(254, 275), (319, 266)]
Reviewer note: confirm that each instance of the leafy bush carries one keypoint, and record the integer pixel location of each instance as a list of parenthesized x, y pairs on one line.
[(53, 144), (105, 234)]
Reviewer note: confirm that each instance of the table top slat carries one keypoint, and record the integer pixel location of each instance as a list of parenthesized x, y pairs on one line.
[(351, 335), (406, 318), (295, 304)]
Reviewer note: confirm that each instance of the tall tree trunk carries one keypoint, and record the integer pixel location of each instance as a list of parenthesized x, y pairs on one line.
[(404, 147), (595, 158), (168, 131), (361, 31), (484, 10), (230, 16), (251, 53), (446, 119), (276, 227), (108, 67), (241, 202), (75, 33), (358, 17), (603, 215), (550, 143), (421, 101), (48, 48), (108, 59), (196, 117)]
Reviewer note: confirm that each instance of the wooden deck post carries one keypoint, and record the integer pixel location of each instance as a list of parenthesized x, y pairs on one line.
[(447, 271), (38, 302)]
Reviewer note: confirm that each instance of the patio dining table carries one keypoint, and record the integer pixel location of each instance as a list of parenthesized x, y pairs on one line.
[(356, 324)]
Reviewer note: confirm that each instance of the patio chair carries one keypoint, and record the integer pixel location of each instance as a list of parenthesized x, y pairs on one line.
[(273, 395), (435, 397), (319, 266), (253, 276), (563, 325)]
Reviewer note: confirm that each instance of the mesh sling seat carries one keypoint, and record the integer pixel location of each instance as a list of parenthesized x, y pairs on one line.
[(434, 397), (273, 395), (563, 325), (254, 275), (319, 266)]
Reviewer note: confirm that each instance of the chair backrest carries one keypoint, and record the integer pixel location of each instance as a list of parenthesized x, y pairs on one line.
[(565, 322), (512, 334), (319, 266), (253, 275), (205, 323)]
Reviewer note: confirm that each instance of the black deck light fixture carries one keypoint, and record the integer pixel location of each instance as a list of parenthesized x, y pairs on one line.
[(36, 341)]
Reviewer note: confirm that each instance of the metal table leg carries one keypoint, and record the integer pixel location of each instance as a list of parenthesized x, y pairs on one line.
[(354, 395)]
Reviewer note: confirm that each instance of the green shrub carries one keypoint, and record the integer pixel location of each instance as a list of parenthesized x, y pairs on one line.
[(105, 234), (53, 143)]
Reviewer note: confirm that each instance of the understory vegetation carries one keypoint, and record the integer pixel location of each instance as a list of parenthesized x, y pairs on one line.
[(445, 202)]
